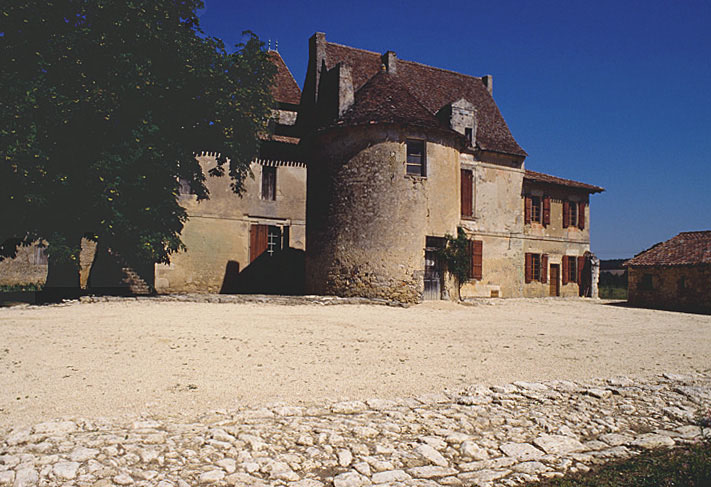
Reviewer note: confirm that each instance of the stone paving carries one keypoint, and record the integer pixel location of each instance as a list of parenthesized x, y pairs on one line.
[(483, 436)]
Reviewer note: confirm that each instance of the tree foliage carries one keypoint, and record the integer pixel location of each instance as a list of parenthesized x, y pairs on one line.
[(104, 105), (455, 254)]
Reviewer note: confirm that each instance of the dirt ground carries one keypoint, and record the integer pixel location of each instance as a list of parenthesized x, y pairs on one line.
[(176, 358)]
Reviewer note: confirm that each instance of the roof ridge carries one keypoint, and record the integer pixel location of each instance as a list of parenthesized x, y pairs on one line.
[(440, 69), (354, 48), (407, 61)]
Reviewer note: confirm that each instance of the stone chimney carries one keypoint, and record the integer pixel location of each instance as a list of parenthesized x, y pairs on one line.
[(488, 81), (390, 62), (346, 95), (317, 57)]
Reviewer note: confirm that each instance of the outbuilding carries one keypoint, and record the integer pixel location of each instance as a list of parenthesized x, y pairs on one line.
[(675, 274)]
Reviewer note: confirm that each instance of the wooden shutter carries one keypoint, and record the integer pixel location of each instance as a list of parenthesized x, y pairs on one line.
[(581, 264), (581, 215), (566, 270), (546, 211), (257, 241), (527, 212), (529, 268), (544, 268), (476, 247), (566, 214), (466, 192)]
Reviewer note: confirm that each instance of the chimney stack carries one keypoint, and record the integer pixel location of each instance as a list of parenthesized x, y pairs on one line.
[(389, 60), (488, 81)]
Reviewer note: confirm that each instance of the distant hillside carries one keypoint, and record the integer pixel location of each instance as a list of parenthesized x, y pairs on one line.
[(611, 264)]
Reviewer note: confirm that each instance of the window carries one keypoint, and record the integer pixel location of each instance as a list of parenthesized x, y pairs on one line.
[(536, 212), (572, 214), (269, 174), (469, 134), (536, 268), (416, 157), (273, 240), (467, 192), (538, 209), (570, 269), (647, 282)]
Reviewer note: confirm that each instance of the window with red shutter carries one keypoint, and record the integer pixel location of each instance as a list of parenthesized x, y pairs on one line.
[(546, 211), (581, 266), (581, 215), (566, 214), (476, 247), (466, 192), (527, 210), (528, 271), (566, 271)]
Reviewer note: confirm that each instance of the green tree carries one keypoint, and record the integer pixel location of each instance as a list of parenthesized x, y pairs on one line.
[(104, 105), (456, 255)]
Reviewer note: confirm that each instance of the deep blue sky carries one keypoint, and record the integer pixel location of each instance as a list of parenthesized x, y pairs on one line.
[(612, 93)]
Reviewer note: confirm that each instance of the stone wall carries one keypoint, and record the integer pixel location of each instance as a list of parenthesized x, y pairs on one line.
[(368, 220), (28, 267), (217, 231), (672, 287)]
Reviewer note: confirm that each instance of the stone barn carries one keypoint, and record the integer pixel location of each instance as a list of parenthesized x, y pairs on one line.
[(675, 274)]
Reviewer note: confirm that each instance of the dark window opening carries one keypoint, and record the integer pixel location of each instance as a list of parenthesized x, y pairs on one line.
[(273, 240), (416, 158), (265, 239), (572, 268), (536, 266), (573, 214), (269, 175), (469, 134), (647, 282)]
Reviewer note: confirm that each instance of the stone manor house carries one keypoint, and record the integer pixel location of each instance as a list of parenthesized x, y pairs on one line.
[(367, 171)]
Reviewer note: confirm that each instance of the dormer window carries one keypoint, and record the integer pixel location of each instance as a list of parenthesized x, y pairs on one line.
[(416, 162), (469, 134)]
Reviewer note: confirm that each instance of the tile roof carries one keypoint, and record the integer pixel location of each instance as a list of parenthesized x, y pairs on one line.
[(540, 177), (433, 88), (385, 98), (687, 248), (285, 89)]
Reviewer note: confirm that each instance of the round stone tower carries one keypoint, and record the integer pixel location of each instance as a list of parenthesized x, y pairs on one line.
[(369, 212)]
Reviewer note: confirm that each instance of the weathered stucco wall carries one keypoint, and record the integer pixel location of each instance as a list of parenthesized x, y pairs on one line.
[(217, 231), (672, 287), (498, 222), (368, 219)]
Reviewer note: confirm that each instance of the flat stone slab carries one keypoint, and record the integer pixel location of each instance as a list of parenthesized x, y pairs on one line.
[(558, 444), (521, 451)]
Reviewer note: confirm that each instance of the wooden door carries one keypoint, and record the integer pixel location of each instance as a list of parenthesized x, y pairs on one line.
[(554, 278), (257, 241), (432, 276)]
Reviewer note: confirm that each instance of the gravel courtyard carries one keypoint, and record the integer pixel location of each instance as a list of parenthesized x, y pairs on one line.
[(177, 359)]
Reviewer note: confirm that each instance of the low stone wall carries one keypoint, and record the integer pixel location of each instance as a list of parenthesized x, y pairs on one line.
[(485, 435)]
